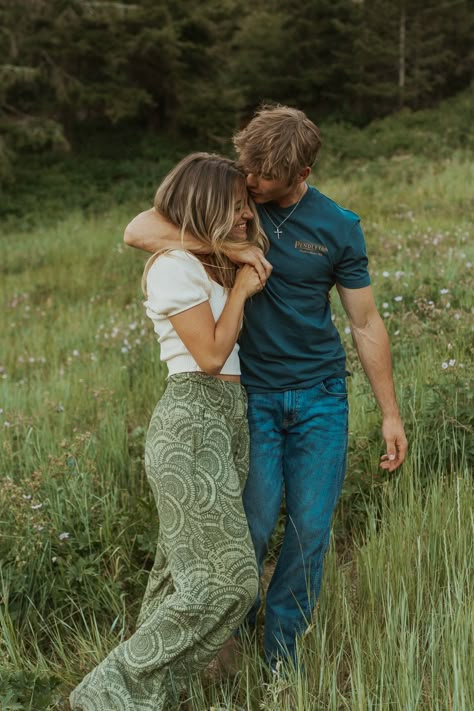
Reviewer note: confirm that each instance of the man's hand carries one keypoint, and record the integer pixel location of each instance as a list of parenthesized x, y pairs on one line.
[(395, 441), (251, 255)]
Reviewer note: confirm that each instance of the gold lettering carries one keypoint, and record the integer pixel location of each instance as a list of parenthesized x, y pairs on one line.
[(311, 247)]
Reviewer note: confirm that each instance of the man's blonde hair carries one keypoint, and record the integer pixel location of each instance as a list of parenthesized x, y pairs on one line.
[(279, 142), (200, 195)]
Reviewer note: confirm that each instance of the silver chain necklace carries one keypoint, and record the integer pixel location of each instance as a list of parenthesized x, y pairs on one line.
[(279, 232)]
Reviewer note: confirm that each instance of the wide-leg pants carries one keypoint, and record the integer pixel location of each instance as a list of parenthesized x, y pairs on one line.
[(204, 579)]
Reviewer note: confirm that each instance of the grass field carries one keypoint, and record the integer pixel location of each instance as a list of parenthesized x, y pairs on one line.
[(79, 377)]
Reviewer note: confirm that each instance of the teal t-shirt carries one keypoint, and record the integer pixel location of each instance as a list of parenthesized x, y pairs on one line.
[(288, 339)]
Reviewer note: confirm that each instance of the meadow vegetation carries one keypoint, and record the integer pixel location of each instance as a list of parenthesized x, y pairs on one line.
[(80, 375)]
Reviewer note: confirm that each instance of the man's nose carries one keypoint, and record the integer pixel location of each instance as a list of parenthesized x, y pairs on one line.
[(251, 180)]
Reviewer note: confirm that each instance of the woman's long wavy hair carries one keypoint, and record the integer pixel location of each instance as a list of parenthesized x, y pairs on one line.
[(200, 196)]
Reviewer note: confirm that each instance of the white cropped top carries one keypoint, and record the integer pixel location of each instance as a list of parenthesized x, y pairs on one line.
[(177, 281)]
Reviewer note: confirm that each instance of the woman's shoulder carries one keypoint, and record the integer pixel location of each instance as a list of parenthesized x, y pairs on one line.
[(177, 260), (176, 270), (177, 257)]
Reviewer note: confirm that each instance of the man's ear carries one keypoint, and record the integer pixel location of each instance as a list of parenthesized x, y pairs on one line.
[(303, 174)]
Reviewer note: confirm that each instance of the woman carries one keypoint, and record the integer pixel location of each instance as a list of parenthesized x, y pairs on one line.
[(204, 578)]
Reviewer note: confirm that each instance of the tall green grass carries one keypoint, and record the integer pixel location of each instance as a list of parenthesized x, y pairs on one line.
[(79, 377)]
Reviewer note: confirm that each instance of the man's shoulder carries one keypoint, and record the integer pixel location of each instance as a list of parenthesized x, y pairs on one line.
[(331, 210)]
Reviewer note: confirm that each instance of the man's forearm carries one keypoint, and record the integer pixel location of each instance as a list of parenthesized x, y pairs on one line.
[(373, 347), (152, 232)]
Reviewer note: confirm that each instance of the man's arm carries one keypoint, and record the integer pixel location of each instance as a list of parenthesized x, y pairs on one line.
[(371, 341), (152, 232)]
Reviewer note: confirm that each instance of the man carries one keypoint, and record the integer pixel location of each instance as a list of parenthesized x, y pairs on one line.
[(293, 363)]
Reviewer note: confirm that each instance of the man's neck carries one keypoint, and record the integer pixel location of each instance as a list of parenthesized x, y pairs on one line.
[(295, 194)]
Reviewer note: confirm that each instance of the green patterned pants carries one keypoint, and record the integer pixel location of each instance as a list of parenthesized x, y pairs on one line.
[(204, 579)]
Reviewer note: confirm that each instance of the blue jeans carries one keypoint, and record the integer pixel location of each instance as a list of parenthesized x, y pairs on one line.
[(298, 444)]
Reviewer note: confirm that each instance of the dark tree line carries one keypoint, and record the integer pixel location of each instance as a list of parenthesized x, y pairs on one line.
[(196, 69)]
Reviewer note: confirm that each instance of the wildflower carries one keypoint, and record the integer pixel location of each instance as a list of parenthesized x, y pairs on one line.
[(76, 353), (124, 349), (386, 314), (385, 304), (444, 365), (452, 362), (444, 291), (398, 298), (7, 424), (27, 497), (35, 507), (347, 330), (64, 536), (386, 274)]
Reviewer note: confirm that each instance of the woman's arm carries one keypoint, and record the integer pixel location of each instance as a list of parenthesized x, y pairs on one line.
[(209, 342)]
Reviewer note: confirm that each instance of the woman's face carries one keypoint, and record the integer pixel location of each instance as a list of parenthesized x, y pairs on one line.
[(242, 215)]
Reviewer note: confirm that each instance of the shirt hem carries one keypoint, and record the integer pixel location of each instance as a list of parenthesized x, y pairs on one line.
[(304, 385)]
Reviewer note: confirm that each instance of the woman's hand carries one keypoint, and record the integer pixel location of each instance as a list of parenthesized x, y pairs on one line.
[(249, 281), (249, 254)]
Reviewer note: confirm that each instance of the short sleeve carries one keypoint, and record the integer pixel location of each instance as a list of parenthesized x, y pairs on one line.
[(351, 270), (177, 281)]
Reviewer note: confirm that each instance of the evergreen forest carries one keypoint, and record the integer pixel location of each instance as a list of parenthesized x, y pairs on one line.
[(194, 71)]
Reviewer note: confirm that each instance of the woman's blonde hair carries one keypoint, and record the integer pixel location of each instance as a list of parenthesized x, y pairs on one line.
[(200, 195), (279, 141)]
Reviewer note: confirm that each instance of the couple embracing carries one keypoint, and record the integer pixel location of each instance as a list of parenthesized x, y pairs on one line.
[(244, 257)]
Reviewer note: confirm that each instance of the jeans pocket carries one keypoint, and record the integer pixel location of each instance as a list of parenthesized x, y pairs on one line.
[(336, 387)]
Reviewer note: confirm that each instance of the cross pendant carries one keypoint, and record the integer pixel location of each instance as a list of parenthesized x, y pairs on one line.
[(278, 232)]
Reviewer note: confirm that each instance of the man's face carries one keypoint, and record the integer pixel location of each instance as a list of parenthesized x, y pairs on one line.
[(264, 188)]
